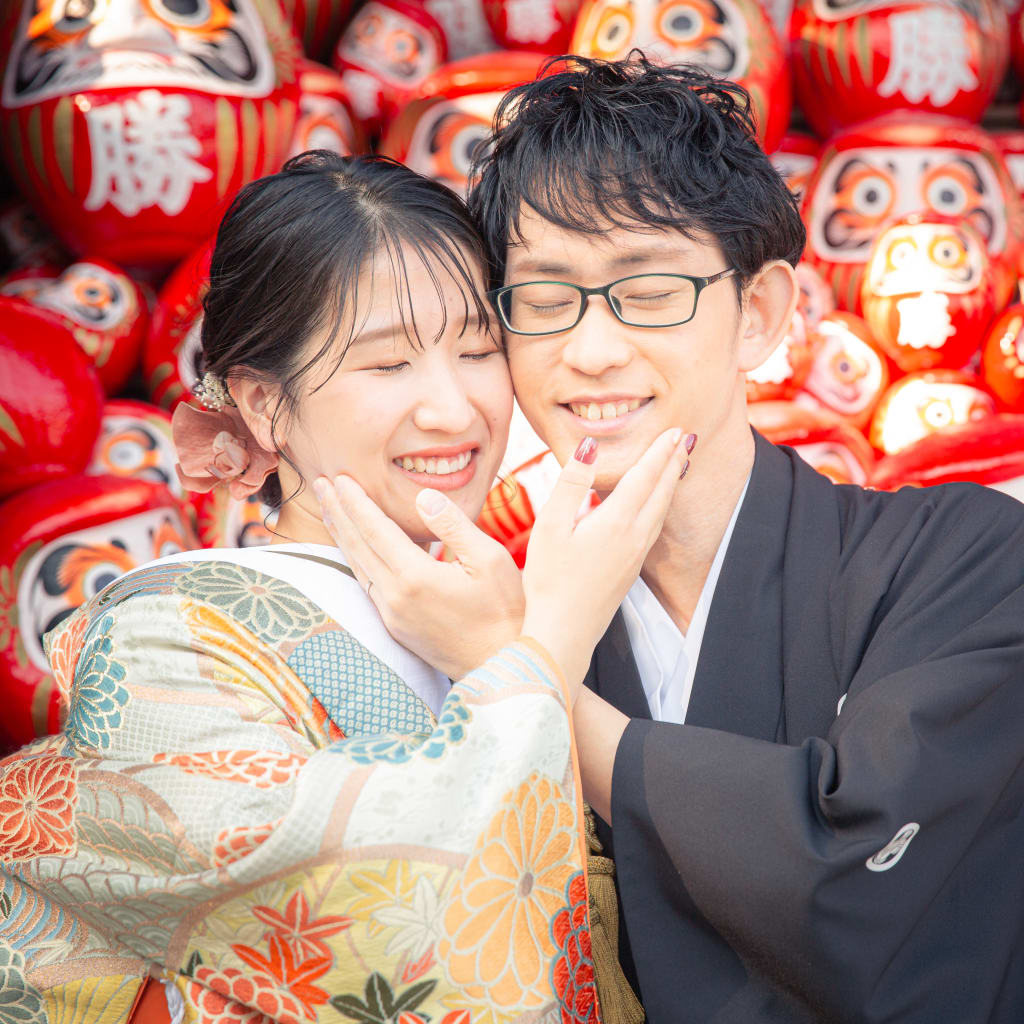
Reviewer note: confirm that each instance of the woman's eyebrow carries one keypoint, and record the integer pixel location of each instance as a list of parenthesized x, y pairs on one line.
[(401, 328)]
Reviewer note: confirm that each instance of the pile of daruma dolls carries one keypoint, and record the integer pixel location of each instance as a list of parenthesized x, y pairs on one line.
[(126, 126)]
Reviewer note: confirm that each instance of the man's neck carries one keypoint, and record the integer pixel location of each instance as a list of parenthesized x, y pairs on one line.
[(678, 564)]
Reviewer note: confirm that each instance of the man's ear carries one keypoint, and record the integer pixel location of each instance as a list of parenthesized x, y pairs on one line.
[(256, 402), (769, 301)]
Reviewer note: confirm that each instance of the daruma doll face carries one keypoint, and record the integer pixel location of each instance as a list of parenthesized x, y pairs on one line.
[(926, 403), (928, 293), (103, 308), (878, 173), (61, 543), (731, 38)]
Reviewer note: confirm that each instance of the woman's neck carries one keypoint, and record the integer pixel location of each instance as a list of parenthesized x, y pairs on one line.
[(297, 523)]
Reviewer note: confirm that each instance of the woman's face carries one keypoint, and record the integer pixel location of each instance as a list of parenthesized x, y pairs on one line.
[(397, 414)]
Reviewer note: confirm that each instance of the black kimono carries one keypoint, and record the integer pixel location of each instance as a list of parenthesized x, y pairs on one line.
[(837, 832)]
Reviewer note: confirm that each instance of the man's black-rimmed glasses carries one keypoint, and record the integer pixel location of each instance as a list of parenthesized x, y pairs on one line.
[(641, 300)]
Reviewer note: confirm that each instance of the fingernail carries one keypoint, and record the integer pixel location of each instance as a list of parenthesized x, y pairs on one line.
[(677, 435), (320, 486), (691, 442), (431, 502), (587, 451), (686, 469)]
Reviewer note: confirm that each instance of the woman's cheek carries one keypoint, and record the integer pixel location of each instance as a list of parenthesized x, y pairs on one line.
[(499, 397)]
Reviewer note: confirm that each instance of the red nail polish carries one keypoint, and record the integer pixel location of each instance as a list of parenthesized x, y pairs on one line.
[(686, 469), (691, 442), (586, 452)]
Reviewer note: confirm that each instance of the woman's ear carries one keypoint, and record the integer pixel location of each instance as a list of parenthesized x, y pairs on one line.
[(769, 301), (256, 403)]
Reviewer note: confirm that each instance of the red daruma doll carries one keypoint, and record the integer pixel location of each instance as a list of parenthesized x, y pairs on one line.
[(173, 351), (928, 293), (1002, 359), (849, 373), (857, 59), (103, 309), (731, 38), (925, 403), (448, 120), (894, 166), (129, 123), (50, 399), (388, 49), (61, 543)]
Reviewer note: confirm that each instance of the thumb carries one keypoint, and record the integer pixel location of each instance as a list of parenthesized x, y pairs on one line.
[(450, 524), (571, 488)]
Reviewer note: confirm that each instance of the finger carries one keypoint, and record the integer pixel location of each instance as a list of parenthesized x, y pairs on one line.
[(342, 531), (450, 525), (652, 515), (383, 546), (666, 454), (571, 487)]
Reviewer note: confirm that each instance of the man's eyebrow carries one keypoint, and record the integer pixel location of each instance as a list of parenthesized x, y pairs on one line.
[(626, 258)]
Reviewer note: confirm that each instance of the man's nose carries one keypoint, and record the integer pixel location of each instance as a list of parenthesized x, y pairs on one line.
[(597, 343)]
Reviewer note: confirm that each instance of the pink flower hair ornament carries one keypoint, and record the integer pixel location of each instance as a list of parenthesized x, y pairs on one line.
[(215, 446)]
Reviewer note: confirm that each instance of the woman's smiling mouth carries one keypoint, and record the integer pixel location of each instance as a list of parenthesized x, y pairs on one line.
[(442, 469)]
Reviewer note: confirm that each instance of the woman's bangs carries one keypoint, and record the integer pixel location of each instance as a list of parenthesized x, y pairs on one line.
[(444, 261)]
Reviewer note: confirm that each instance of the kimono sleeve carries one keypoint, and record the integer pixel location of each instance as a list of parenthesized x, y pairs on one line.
[(873, 872), (198, 820)]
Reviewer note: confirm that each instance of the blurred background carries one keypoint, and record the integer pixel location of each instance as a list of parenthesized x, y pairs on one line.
[(126, 126)]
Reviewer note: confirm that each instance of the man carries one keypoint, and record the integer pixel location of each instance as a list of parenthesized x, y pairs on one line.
[(805, 722)]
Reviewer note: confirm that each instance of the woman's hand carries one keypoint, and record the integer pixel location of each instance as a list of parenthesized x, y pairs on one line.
[(454, 615), (577, 574)]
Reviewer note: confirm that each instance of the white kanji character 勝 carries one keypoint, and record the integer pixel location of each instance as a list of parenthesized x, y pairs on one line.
[(530, 21), (143, 154), (928, 57)]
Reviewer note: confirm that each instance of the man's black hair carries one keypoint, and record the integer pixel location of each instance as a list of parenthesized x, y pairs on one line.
[(627, 142)]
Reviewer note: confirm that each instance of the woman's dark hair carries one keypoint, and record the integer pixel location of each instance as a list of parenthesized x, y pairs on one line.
[(289, 253), (627, 142)]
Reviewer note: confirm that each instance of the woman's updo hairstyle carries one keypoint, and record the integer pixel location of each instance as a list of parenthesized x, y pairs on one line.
[(289, 253)]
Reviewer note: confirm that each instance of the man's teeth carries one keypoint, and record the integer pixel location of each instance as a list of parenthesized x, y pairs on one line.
[(605, 411), (436, 467)]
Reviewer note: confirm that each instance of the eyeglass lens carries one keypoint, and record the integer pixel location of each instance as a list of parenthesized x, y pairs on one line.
[(651, 300)]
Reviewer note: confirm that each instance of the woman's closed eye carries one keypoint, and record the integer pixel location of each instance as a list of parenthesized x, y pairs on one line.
[(472, 356)]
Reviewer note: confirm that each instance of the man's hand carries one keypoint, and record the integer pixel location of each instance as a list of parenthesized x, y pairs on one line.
[(454, 615)]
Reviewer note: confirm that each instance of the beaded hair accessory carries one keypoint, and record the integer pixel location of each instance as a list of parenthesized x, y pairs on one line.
[(215, 445), (212, 391)]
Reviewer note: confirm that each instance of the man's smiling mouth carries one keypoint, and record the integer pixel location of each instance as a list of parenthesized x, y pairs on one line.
[(605, 409)]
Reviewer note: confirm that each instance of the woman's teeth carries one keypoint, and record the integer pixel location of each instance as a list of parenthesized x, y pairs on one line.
[(605, 411), (435, 467)]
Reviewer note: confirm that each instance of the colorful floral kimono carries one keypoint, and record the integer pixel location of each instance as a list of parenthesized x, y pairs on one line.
[(254, 809)]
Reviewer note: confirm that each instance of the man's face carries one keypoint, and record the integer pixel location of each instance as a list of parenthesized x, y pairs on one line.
[(624, 385)]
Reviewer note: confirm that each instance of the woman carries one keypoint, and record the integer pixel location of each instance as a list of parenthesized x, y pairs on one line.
[(260, 800)]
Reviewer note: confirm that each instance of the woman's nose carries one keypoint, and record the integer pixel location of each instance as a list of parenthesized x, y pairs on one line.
[(445, 404)]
